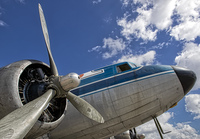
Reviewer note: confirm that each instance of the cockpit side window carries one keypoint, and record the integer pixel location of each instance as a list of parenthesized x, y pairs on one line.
[(123, 67), (133, 65)]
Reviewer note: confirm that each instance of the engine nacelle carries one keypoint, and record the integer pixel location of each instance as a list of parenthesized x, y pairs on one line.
[(24, 81)]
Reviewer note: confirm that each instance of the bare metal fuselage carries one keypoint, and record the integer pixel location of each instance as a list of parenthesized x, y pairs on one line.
[(123, 106)]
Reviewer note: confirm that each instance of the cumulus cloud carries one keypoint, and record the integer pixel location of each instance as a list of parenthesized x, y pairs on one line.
[(111, 46), (144, 59), (192, 105), (149, 20), (157, 15), (190, 58), (187, 30), (179, 130), (188, 9), (188, 20), (139, 28), (162, 12)]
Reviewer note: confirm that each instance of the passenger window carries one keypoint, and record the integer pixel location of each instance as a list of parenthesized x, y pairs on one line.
[(123, 67)]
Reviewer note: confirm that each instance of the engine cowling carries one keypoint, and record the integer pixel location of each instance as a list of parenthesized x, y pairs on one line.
[(22, 82)]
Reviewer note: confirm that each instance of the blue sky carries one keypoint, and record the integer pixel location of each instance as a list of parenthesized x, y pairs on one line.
[(89, 34)]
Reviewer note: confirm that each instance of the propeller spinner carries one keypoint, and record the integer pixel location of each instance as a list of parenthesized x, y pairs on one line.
[(18, 123)]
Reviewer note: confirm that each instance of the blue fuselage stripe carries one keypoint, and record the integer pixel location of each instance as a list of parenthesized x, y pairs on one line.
[(122, 79)]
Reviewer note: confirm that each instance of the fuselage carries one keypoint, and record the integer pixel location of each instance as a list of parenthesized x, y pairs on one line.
[(126, 95)]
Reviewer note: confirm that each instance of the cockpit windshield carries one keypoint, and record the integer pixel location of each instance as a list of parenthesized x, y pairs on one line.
[(123, 67)]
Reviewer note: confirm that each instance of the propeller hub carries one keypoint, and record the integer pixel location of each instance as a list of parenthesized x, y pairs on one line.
[(63, 84), (69, 81)]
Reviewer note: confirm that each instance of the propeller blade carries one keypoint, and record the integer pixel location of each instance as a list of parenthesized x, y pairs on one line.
[(85, 108), (46, 37), (80, 104), (18, 123)]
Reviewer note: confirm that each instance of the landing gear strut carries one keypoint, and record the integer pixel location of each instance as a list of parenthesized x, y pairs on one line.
[(135, 135), (159, 128)]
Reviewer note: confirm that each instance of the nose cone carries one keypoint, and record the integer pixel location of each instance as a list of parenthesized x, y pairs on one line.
[(186, 77)]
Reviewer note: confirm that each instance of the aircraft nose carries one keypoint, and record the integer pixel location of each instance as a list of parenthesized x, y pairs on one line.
[(186, 77)]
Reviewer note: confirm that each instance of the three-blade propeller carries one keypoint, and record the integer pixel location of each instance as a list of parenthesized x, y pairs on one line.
[(18, 123)]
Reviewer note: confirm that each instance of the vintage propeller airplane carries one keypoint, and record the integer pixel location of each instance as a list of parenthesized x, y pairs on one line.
[(34, 98)]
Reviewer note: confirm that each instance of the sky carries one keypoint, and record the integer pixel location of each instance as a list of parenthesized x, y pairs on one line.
[(86, 35)]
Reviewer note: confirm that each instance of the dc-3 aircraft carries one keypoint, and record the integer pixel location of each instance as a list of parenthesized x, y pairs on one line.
[(34, 98)]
